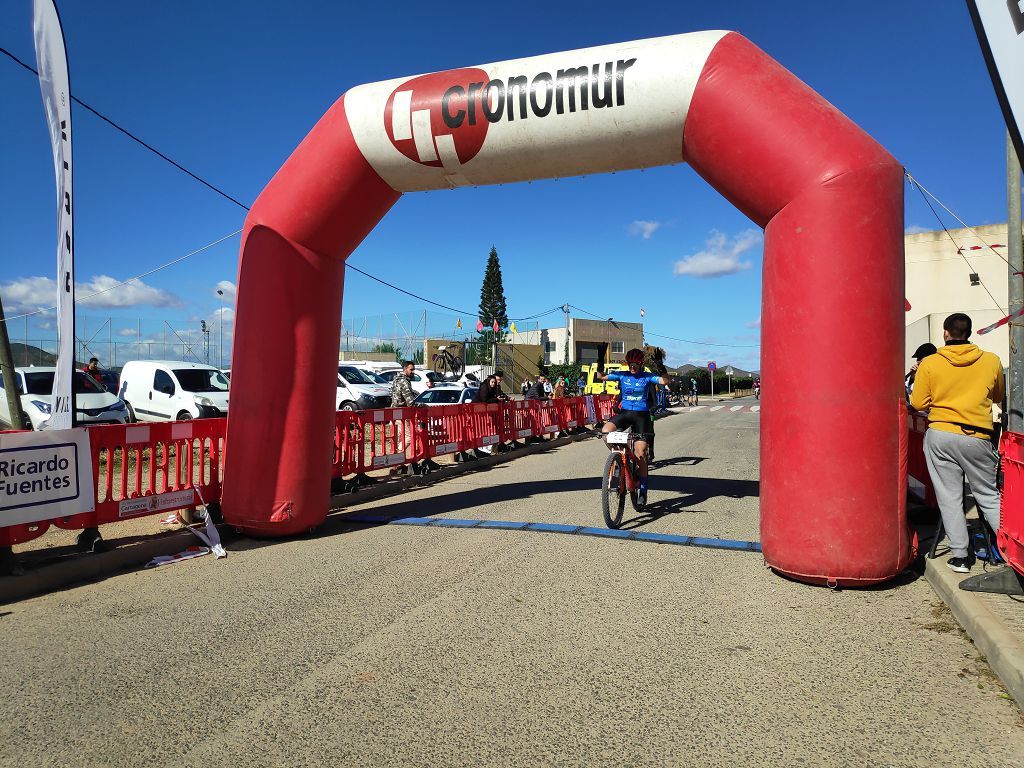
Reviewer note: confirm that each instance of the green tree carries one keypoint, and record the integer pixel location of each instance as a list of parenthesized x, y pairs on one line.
[(492, 301), (388, 348)]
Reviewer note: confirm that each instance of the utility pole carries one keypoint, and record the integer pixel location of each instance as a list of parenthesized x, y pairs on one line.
[(566, 360), (1015, 285), (10, 379)]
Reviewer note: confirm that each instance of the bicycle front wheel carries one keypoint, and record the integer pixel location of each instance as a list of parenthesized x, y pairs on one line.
[(613, 490), (440, 364)]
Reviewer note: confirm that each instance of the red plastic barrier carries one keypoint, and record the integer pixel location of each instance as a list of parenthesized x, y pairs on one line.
[(146, 469), (918, 479), (368, 440), (1011, 514), (486, 424), (447, 429)]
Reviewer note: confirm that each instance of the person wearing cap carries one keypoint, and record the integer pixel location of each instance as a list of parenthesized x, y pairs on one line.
[(957, 386), (919, 354)]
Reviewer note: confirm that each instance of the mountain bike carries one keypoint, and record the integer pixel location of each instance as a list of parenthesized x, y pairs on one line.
[(445, 362), (621, 477)]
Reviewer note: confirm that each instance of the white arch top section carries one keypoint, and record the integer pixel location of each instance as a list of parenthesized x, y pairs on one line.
[(592, 110)]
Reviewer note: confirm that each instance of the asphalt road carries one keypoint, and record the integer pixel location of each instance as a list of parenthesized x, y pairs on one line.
[(410, 646)]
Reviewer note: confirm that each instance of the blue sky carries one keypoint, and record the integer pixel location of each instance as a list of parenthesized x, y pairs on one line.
[(229, 88)]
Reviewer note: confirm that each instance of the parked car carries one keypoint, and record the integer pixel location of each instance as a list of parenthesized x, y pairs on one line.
[(418, 380), (93, 404), (373, 376), (358, 392), (168, 390), (446, 394)]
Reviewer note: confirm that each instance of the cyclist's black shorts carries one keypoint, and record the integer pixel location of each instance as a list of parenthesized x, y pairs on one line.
[(639, 421)]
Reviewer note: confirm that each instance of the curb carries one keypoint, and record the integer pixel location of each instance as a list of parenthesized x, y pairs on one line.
[(1003, 650), (92, 567)]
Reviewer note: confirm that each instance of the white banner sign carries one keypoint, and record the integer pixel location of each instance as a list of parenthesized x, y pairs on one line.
[(52, 64), (1000, 28), (44, 475), (609, 108)]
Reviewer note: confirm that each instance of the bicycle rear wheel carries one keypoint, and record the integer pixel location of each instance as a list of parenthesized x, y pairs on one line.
[(613, 490), (440, 363), (457, 366)]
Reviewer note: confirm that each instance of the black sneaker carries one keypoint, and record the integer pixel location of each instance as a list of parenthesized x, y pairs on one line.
[(959, 564)]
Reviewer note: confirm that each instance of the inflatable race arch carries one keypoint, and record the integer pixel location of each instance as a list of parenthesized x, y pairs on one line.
[(830, 200)]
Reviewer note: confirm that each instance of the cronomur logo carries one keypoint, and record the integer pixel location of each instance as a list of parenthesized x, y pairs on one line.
[(441, 119), (416, 126)]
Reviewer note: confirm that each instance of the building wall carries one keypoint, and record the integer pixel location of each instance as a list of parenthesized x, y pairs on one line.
[(587, 334), (938, 284)]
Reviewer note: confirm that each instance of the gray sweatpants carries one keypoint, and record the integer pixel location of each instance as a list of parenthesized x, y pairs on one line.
[(950, 457)]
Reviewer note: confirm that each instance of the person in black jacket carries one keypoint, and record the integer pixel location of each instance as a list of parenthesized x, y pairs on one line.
[(537, 391)]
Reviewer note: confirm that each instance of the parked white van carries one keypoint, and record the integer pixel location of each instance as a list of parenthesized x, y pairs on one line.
[(168, 390), (358, 392)]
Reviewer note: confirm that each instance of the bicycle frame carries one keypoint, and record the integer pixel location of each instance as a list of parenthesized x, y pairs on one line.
[(630, 473)]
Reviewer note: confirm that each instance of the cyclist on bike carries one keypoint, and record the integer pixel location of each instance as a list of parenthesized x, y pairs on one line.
[(635, 413)]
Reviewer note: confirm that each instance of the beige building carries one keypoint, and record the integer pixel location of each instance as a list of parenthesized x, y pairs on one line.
[(584, 336), (941, 281)]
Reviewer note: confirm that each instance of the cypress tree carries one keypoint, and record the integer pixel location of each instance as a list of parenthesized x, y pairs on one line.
[(492, 301)]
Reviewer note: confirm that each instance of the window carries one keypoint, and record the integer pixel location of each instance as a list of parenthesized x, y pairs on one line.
[(162, 382), (618, 347), (550, 346)]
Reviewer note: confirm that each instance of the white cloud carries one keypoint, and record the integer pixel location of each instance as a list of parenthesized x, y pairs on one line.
[(914, 229), (754, 323), (37, 292), (721, 255), (128, 332), (644, 228)]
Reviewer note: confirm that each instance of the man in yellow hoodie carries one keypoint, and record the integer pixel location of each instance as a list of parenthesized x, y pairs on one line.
[(957, 387)]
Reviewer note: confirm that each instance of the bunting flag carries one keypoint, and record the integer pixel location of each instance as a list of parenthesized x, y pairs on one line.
[(479, 325), (495, 326), (512, 327), (641, 311), (1002, 322), (458, 323)]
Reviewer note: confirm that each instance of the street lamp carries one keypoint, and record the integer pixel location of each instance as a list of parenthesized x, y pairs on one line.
[(220, 354)]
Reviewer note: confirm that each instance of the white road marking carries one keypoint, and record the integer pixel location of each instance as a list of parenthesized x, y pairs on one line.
[(736, 408), (755, 408), (717, 407)]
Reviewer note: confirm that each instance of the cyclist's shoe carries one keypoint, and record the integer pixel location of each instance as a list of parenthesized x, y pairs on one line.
[(641, 495)]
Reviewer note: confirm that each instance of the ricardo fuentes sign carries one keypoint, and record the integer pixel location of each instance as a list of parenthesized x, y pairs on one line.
[(44, 475)]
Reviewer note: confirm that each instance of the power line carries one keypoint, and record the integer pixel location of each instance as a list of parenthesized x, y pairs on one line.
[(673, 338), (130, 279), (133, 137), (959, 250), (915, 182)]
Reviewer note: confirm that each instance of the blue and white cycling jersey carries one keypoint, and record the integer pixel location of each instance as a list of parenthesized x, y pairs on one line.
[(634, 389)]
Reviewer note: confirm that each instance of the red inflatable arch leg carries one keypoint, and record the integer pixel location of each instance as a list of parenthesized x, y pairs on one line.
[(312, 215), (832, 467), (831, 201)]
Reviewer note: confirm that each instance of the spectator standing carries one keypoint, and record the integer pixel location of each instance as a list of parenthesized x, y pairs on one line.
[(920, 354), (537, 391), (559, 391), (581, 384), (489, 392), (957, 386), (549, 390), (525, 387), (499, 375), (93, 369), (402, 396)]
